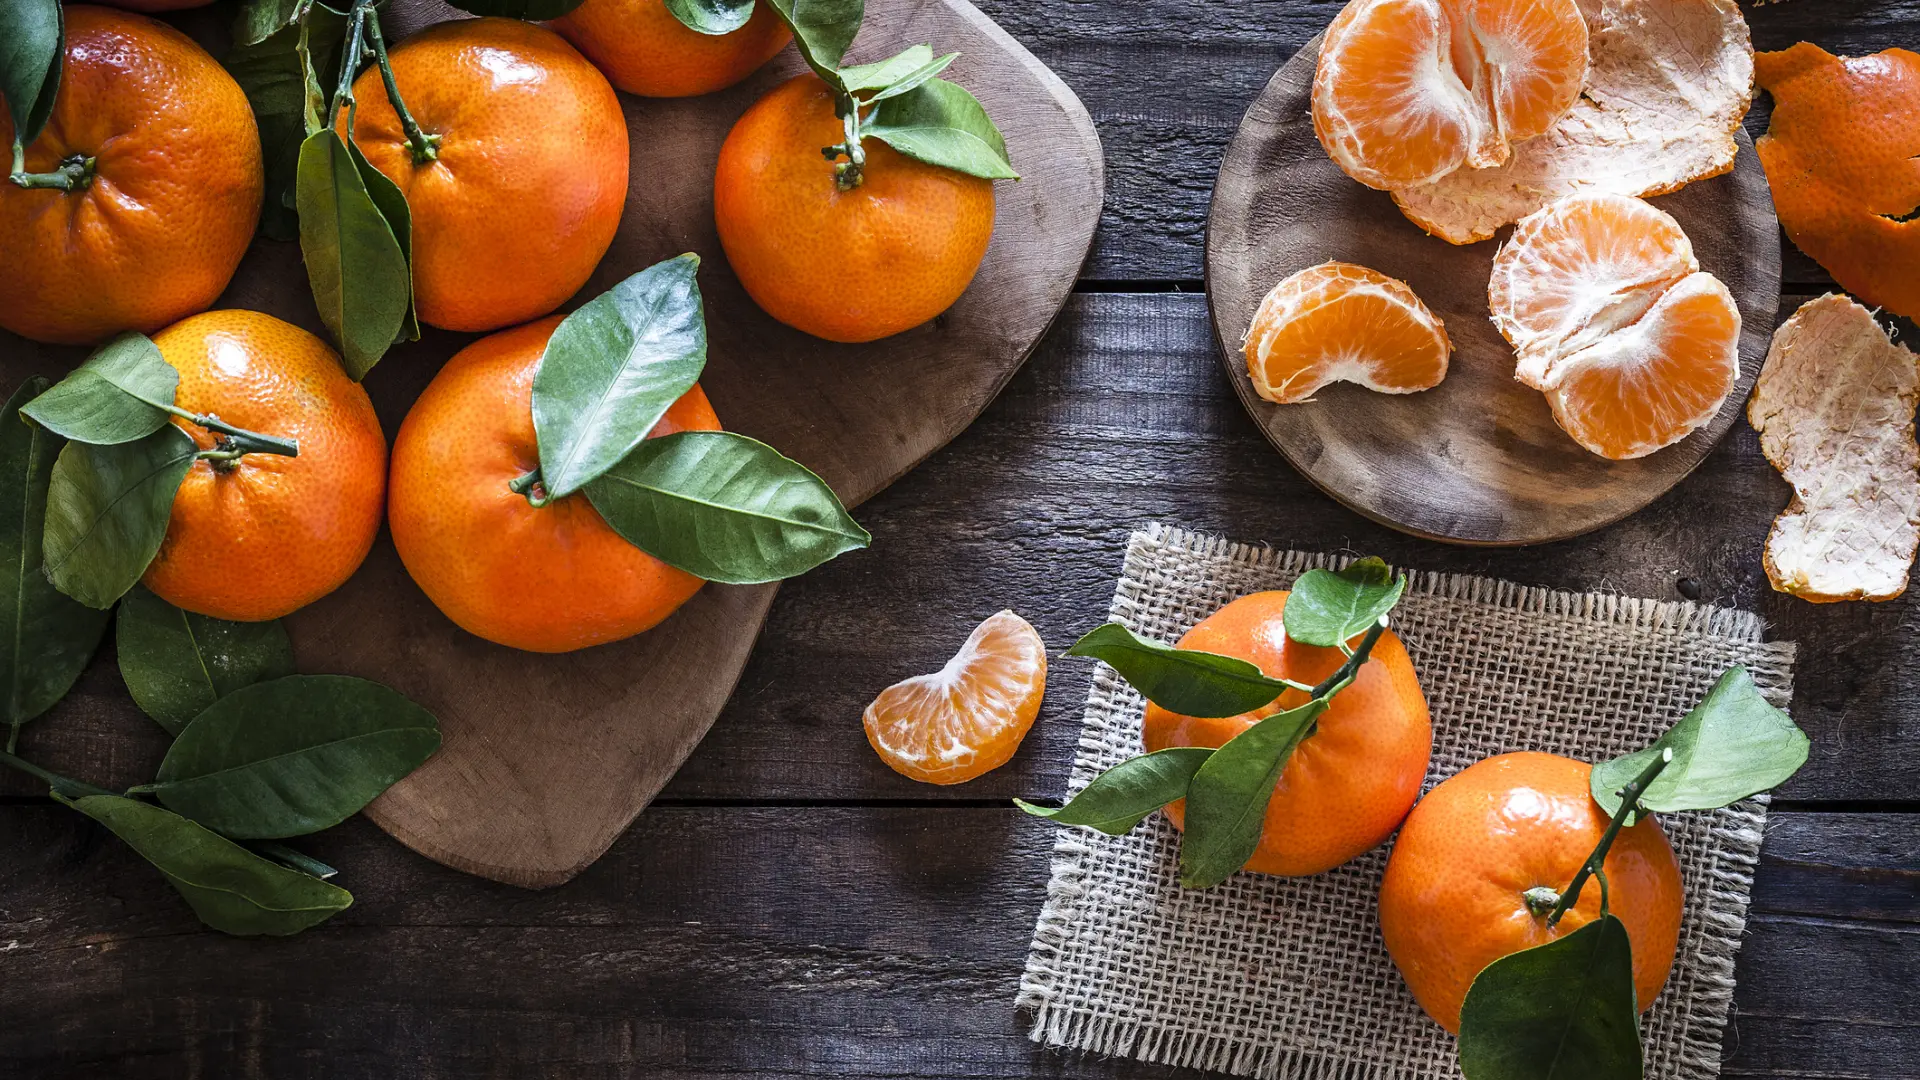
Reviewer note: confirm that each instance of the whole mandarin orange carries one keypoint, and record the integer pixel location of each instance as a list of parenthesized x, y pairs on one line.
[(168, 159), (530, 174), (1455, 894), (853, 265), (644, 50), (265, 534), (548, 578), (1351, 780)]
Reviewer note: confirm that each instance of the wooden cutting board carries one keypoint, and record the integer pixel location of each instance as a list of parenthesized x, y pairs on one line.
[(1478, 459), (547, 759)]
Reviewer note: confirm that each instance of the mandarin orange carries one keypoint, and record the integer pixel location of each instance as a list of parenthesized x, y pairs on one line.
[(644, 50)]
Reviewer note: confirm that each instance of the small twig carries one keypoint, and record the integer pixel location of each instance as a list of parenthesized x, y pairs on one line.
[(1629, 804)]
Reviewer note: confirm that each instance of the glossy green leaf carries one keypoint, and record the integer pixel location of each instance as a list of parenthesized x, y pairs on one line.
[(1327, 607), (292, 858), (107, 511), (1227, 801), (258, 20), (940, 123), (713, 17), (116, 396), (725, 508), (1731, 745), (273, 73), (177, 663), (230, 888), (32, 46), (1185, 681), (1560, 1011), (613, 368), (50, 637), (293, 756), (355, 263), (530, 10), (392, 204), (895, 75), (1122, 797), (822, 31)]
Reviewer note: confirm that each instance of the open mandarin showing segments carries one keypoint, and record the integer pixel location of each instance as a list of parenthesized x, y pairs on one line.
[(1338, 322), (1408, 91), (968, 718), (1611, 317)]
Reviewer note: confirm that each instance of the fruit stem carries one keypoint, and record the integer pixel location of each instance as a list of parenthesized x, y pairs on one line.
[(54, 780), (426, 147), (533, 486), (1358, 657), (850, 173), (73, 174), (1629, 804), (236, 441), (350, 47)]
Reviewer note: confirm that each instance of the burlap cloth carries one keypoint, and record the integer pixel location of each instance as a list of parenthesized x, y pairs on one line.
[(1276, 977)]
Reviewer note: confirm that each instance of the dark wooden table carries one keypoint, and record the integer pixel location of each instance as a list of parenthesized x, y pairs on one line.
[(792, 908)]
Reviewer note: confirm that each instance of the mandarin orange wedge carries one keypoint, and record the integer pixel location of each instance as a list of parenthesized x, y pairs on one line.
[(968, 718), (1340, 322)]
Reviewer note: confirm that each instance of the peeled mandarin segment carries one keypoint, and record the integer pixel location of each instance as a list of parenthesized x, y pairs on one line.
[(1533, 56), (968, 718), (1338, 322)]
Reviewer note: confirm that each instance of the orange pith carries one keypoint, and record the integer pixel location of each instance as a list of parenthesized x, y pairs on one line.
[(1610, 316), (523, 199), (847, 266), (1338, 322), (1842, 155), (1407, 91), (1350, 782), (1452, 901), (547, 579), (644, 50), (272, 533), (176, 191), (968, 718)]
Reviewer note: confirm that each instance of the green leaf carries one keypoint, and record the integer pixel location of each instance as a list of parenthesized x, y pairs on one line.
[(1185, 681), (822, 31), (713, 17), (258, 20), (1227, 801), (392, 204), (273, 72), (940, 123), (1731, 745), (1328, 608), (613, 368), (32, 46), (355, 263), (50, 637), (177, 663), (107, 511), (1560, 1011), (293, 756), (895, 75), (530, 10), (230, 888), (725, 508), (116, 396), (293, 859), (1124, 795)]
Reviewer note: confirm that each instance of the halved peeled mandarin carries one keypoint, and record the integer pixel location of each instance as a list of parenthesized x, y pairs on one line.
[(1340, 322), (968, 718), (1407, 91), (1611, 317)]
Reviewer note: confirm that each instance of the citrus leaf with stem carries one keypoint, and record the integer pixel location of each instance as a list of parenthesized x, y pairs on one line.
[(1328, 608), (530, 10), (725, 508), (32, 47), (107, 512), (1564, 1010), (1122, 797), (258, 20), (942, 124), (896, 74), (1733, 744), (50, 636), (292, 756), (711, 17), (177, 663), (230, 888), (1185, 681), (613, 368), (355, 263), (822, 31), (117, 395), (1227, 800)]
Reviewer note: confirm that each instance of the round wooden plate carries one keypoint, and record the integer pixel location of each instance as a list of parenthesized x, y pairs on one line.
[(1478, 459)]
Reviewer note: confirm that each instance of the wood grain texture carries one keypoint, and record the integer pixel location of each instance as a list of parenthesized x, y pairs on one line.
[(1479, 458)]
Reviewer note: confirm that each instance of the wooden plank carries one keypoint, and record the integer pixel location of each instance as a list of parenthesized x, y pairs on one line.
[(734, 942)]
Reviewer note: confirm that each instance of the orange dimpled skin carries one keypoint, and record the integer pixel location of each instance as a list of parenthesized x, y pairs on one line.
[(154, 231), (1350, 782), (644, 50), (1453, 899), (546, 579), (268, 534), (158, 5), (521, 202), (847, 266)]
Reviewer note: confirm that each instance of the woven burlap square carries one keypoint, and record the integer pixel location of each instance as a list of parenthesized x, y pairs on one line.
[(1274, 977)]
